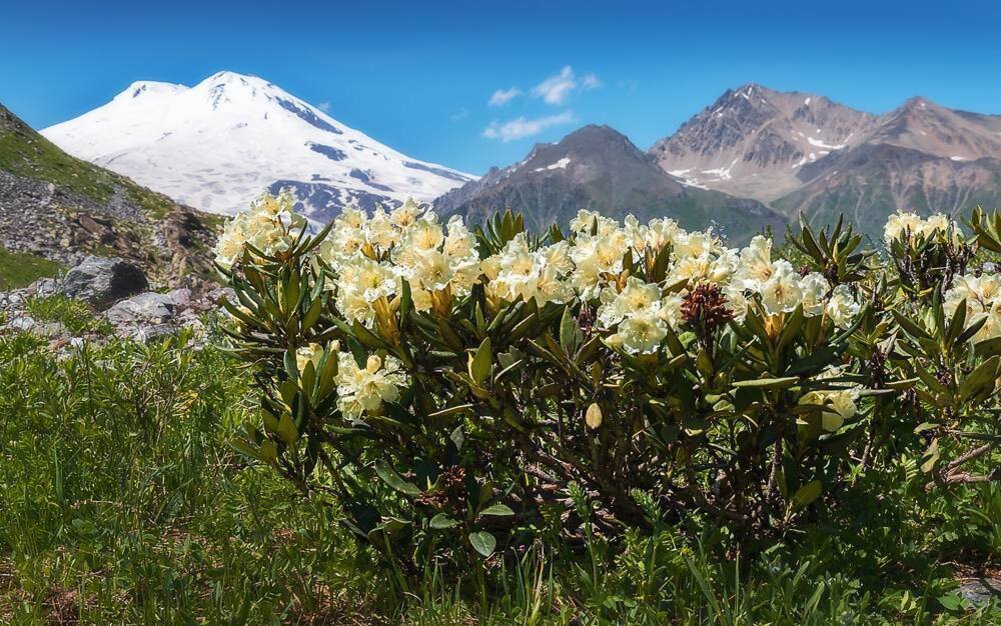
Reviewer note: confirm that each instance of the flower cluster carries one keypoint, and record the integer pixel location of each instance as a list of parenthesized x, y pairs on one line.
[(269, 226), (982, 295), (519, 272), (835, 405), (590, 266), (910, 225), (372, 256), (362, 390)]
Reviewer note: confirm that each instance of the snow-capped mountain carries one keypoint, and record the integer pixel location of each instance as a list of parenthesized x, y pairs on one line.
[(220, 144)]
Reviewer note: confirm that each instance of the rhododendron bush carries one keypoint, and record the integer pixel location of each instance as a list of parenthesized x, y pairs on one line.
[(457, 392)]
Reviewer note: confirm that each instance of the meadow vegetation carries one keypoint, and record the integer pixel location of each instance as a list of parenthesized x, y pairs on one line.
[(398, 421)]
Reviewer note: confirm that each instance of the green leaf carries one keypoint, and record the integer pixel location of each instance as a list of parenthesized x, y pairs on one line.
[(442, 522), (483, 542), (286, 429), (394, 480), (452, 410), (570, 333), (768, 383), (806, 494), (981, 380), (246, 449), (951, 601), (498, 510), (269, 452), (910, 327), (480, 363)]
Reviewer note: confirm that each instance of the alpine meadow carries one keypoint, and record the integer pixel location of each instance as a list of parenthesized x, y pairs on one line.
[(572, 313)]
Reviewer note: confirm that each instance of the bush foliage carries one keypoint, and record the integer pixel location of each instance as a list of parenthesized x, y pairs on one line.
[(462, 394)]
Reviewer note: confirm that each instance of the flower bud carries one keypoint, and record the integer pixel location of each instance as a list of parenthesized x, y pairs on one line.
[(593, 416)]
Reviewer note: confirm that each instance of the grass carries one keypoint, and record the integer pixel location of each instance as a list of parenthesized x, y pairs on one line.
[(73, 314), (18, 269), (121, 502), (26, 153)]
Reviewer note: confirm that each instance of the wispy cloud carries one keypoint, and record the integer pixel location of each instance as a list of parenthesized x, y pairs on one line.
[(522, 127), (459, 115), (503, 96), (555, 89), (590, 81), (324, 106)]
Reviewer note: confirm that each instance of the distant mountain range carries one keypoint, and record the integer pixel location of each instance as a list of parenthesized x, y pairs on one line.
[(220, 144), (802, 152), (598, 168), (754, 158)]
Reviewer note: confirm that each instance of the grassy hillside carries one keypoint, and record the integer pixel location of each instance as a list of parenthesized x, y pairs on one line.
[(19, 270), (54, 204), (26, 153)]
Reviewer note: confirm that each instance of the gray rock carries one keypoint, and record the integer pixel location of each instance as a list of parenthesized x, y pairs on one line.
[(980, 591), (50, 330), (181, 297), (148, 307), (101, 281), (147, 334), (21, 323), (46, 287)]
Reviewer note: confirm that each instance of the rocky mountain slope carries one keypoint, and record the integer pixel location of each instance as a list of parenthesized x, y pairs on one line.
[(56, 207), (220, 144), (598, 168), (803, 152)]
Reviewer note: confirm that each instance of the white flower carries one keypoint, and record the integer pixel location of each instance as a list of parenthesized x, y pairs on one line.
[(900, 223), (361, 282), (640, 333), (518, 272), (636, 297), (783, 291), (983, 296), (842, 307), (736, 301), (815, 287), (269, 226), (311, 353), (938, 224), (755, 265), (661, 232), (363, 390), (406, 214), (838, 404)]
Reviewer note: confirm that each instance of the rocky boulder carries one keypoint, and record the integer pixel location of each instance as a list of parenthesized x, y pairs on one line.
[(149, 307), (101, 281)]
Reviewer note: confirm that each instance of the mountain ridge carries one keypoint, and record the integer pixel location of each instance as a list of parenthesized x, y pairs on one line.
[(598, 168), (800, 152)]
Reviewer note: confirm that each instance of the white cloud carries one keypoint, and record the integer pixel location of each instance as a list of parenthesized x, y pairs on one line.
[(459, 115), (555, 89), (503, 96), (522, 127), (324, 106), (590, 81)]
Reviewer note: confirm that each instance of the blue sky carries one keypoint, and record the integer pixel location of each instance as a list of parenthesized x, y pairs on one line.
[(419, 76)]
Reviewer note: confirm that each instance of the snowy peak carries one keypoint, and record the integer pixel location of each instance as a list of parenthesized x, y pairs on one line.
[(146, 88), (753, 141), (221, 143)]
